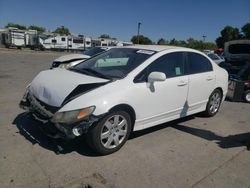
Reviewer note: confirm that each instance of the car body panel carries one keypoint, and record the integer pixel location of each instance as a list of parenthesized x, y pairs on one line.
[(52, 88)]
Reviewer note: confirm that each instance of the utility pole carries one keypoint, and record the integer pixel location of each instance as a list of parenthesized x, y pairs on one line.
[(204, 38), (138, 32)]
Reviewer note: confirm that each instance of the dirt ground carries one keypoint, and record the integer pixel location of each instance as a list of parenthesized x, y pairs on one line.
[(192, 152)]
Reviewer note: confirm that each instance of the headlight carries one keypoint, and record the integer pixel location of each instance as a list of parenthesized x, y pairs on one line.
[(64, 65), (73, 116)]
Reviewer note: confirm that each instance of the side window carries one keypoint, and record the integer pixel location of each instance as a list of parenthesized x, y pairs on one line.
[(198, 63), (172, 65)]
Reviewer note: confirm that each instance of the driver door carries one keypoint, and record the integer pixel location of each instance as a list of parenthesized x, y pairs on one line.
[(164, 100)]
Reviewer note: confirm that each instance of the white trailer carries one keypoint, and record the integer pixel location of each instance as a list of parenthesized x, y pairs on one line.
[(14, 38), (65, 42), (31, 39)]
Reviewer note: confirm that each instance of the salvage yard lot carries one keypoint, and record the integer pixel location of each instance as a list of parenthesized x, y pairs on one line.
[(192, 152)]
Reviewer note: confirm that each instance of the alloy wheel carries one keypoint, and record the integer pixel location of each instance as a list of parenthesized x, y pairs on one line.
[(114, 131), (214, 103)]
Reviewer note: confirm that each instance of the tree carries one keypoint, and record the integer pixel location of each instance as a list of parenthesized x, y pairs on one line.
[(62, 30), (105, 36), (162, 41), (34, 27), (18, 26), (246, 30), (174, 42), (227, 34), (142, 40)]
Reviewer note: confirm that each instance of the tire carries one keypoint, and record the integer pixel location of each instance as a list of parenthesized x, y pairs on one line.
[(113, 136), (247, 96), (213, 104)]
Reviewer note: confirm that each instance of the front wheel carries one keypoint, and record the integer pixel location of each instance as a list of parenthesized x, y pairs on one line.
[(110, 133), (213, 103)]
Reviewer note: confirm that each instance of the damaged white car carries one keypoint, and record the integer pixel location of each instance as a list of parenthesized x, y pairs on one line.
[(123, 90)]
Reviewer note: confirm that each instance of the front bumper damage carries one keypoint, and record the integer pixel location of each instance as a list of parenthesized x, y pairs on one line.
[(44, 113)]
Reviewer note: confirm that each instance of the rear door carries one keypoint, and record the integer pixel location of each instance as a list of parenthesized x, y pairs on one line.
[(201, 80)]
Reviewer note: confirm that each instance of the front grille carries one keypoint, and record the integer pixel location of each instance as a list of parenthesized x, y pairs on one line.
[(41, 109)]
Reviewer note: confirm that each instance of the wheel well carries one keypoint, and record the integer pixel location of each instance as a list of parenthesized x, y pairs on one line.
[(221, 91), (127, 108)]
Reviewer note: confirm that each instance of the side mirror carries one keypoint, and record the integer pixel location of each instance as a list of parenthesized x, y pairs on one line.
[(156, 77)]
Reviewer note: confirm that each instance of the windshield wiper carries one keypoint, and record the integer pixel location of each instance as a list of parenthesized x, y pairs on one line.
[(96, 73), (79, 70)]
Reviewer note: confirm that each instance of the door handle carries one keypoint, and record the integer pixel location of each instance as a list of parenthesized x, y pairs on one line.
[(182, 83), (209, 78)]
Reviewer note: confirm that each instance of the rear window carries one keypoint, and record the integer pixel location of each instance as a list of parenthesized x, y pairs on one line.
[(239, 49), (198, 63)]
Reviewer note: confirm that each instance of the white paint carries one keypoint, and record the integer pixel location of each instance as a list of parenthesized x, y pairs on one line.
[(153, 103), (53, 86)]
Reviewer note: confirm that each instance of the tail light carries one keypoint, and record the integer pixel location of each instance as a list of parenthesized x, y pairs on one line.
[(247, 84)]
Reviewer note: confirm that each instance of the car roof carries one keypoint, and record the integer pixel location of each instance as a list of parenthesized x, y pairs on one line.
[(156, 48)]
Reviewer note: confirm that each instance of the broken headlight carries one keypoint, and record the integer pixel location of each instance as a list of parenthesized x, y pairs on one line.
[(73, 116)]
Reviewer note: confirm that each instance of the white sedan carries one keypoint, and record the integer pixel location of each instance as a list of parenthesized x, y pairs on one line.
[(123, 90), (70, 60)]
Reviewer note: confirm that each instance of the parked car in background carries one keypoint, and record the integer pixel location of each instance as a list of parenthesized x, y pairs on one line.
[(123, 90), (237, 54), (237, 63), (216, 58), (239, 85), (70, 60)]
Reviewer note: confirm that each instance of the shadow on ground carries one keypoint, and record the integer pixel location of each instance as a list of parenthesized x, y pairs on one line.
[(31, 131), (230, 141)]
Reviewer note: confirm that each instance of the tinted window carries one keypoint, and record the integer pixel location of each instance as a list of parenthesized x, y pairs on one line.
[(172, 65), (63, 39), (198, 63), (53, 41), (239, 49)]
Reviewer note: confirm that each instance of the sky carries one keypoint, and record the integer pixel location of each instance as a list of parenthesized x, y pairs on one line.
[(179, 19)]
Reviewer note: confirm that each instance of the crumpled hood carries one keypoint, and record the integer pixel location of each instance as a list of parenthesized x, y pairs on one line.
[(53, 86), (71, 57)]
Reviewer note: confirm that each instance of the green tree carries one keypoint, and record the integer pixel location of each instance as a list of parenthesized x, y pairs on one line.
[(62, 30), (18, 26), (142, 40), (105, 36), (227, 34), (38, 28), (246, 30), (162, 41), (174, 42)]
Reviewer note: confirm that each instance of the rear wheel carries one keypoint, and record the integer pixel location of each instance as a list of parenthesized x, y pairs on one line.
[(111, 133), (247, 96), (214, 103)]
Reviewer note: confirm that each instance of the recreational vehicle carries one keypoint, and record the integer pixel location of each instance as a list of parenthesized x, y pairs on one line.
[(14, 38), (66, 42), (31, 39)]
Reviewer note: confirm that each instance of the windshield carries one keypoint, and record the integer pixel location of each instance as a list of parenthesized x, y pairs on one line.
[(213, 56), (115, 63), (94, 51)]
